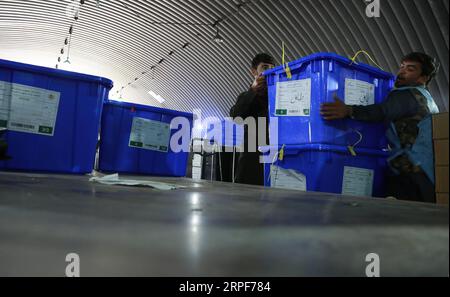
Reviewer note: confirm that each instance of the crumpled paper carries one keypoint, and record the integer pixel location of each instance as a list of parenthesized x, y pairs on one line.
[(114, 179)]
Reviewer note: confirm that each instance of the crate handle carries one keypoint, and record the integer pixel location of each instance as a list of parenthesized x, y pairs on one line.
[(278, 157), (351, 148), (368, 56)]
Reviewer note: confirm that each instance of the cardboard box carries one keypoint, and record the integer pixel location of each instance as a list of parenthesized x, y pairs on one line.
[(441, 152), (442, 198), (440, 126), (442, 179)]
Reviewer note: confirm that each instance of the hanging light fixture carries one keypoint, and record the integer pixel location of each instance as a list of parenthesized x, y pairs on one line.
[(69, 42), (218, 39)]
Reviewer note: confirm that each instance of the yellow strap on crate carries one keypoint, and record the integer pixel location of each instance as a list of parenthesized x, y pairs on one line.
[(286, 65), (351, 149), (281, 154), (368, 56)]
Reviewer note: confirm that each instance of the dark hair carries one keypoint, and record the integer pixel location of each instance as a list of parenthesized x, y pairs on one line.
[(262, 58), (430, 66)]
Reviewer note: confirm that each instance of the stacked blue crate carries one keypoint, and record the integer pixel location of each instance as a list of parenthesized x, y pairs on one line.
[(136, 139), (295, 102), (52, 118)]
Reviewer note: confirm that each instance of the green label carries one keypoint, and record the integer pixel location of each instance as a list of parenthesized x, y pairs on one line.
[(3, 124), (136, 144), (281, 112), (45, 130), (163, 148), (306, 111)]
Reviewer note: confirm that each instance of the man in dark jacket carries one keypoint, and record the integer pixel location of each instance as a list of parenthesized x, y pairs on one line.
[(253, 104), (408, 111), (3, 146)]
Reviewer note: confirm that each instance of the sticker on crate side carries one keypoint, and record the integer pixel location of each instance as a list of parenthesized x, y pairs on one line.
[(28, 109), (293, 98), (359, 92), (5, 100), (357, 181), (287, 179), (150, 135)]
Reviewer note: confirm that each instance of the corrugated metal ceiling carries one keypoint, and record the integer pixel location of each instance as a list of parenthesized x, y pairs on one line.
[(126, 39)]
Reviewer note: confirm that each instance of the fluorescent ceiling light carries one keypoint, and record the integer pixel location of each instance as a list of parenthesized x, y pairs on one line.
[(199, 125), (157, 97)]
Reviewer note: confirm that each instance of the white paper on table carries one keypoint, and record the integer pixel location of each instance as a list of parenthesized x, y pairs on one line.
[(114, 179)]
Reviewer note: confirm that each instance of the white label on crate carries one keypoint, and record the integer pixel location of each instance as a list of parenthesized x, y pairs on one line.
[(5, 100), (28, 109), (357, 181), (150, 135), (293, 98), (359, 92), (287, 179)]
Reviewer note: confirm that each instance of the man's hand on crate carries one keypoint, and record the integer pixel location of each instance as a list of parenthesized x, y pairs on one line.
[(336, 110), (3, 149), (3, 146)]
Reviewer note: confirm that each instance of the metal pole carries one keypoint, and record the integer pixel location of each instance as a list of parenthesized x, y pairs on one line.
[(212, 161), (220, 164), (234, 162)]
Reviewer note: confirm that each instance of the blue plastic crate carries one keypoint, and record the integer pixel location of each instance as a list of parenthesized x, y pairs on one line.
[(314, 81), (52, 116), (330, 169), (121, 151)]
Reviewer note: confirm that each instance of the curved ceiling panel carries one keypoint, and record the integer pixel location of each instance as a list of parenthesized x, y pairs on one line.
[(167, 47)]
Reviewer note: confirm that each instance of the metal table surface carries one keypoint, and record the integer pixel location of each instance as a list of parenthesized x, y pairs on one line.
[(211, 229)]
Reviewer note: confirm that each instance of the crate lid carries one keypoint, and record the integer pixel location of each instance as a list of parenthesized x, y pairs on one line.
[(141, 107), (330, 56), (294, 149), (56, 72)]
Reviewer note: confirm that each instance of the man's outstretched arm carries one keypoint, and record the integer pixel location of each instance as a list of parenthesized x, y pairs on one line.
[(398, 105)]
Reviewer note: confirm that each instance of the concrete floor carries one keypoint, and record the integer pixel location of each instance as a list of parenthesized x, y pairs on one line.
[(211, 229)]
